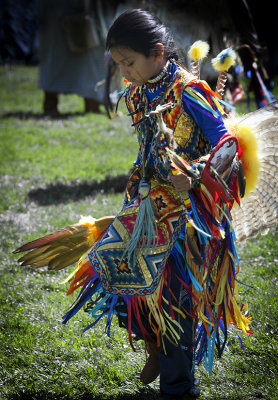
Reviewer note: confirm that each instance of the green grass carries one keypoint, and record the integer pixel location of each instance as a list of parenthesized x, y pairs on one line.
[(53, 171)]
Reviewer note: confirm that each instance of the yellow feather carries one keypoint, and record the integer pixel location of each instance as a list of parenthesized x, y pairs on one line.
[(198, 50), (250, 157), (64, 247)]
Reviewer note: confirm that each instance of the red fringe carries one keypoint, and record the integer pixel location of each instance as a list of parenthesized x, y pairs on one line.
[(81, 277), (129, 326), (189, 290)]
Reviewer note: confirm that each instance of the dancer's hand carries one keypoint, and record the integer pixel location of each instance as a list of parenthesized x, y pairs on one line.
[(181, 182)]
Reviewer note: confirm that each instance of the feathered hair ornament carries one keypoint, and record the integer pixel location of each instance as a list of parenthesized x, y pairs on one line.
[(198, 51), (221, 63)]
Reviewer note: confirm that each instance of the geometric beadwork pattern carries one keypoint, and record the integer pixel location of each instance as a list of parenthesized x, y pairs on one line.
[(191, 141), (108, 256), (112, 266)]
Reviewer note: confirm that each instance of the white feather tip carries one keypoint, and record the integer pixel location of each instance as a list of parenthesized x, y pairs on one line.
[(86, 220), (224, 60)]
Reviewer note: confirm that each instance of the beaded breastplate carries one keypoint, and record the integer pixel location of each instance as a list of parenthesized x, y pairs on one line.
[(110, 259), (190, 140)]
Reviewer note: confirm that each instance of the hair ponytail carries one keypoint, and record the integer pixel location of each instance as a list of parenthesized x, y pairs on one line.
[(140, 31)]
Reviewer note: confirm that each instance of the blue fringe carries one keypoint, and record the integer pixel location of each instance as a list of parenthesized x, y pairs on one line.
[(144, 236)]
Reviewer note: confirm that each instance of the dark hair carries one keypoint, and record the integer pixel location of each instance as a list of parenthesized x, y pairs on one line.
[(140, 30)]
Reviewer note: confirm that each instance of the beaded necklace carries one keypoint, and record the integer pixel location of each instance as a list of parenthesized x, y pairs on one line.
[(157, 82), (147, 126), (144, 236)]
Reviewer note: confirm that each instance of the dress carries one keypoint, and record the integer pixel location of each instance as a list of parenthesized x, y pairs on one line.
[(129, 275), (166, 264)]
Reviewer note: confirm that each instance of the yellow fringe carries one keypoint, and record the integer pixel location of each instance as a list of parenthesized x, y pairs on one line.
[(81, 262)]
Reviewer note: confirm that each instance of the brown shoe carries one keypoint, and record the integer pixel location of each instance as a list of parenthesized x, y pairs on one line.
[(151, 369)]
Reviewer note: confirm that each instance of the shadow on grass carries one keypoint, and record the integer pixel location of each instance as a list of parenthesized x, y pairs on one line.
[(145, 394), (75, 191), (23, 115)]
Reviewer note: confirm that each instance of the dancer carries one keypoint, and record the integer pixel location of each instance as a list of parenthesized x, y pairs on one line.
[(166, 264)]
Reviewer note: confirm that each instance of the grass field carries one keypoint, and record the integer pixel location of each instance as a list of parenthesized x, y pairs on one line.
[(52, 171)]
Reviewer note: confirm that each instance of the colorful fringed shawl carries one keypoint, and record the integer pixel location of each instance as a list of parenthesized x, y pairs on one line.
[(121, 269)]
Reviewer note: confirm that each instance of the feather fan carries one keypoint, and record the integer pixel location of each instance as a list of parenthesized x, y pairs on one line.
[(258, 211), (64, 247)]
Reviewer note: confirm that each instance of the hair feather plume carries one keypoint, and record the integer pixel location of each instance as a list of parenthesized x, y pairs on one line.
[(198, 50), (224, 60)]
